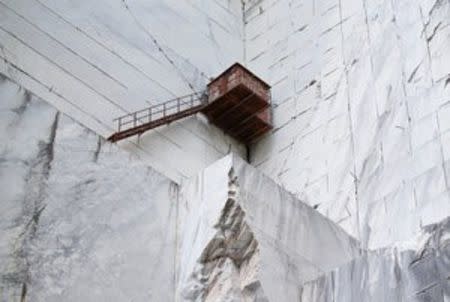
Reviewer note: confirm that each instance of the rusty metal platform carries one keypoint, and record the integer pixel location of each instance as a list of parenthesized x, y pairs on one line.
[(237, 101)]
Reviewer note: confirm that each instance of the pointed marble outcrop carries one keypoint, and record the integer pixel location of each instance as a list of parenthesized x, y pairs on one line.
[(243, 234)]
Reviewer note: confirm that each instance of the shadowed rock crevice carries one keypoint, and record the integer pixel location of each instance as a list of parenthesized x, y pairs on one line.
[(229, 264), (98, 149), (46, 152), (23, 295), (23, 106), (234, 239)]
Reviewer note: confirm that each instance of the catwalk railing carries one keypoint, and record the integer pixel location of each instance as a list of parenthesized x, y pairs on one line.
[(137, 122)]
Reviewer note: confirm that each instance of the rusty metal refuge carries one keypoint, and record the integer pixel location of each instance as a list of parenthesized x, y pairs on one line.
[(237, 101)]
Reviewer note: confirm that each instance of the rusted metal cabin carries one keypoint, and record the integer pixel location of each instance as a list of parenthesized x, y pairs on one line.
[(239, 103)]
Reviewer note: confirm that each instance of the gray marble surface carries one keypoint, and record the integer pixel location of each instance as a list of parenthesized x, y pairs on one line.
[(98, 60), (360, 90), (80, 221), (415, 275), (231, 211), (361, 108)]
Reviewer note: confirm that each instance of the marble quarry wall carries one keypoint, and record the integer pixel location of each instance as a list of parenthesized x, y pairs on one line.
[(414, 275), (79, 219), (98, 60), (244, 238), (347, 199), (361, 93)]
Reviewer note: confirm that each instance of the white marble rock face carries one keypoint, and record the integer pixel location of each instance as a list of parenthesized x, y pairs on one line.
[(347, 199), (98, 60), (361, 92), (415, 275), (275, 242), (83, 221), (79, 219)]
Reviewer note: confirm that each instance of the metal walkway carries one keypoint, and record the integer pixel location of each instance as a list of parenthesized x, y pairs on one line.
[(141, 121)]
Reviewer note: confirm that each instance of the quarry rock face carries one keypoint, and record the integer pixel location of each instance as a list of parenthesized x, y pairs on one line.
[(237, 221), (84, 222), (80, 220), (420, 274), (362, 95), (98, 61), (346, 199)]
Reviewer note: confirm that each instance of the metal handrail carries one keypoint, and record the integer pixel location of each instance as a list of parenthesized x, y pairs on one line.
[(168, 108)]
